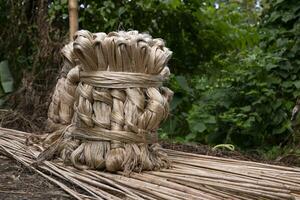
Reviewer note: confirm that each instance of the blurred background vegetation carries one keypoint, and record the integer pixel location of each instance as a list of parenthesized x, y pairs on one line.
[(235, 64)]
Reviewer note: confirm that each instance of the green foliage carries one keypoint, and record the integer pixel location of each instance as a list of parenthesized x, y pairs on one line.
[(7, 80), (6, 77), (194, 30), (13, 41), (200, 91), (28, 39), (250, 109), (251, 99)]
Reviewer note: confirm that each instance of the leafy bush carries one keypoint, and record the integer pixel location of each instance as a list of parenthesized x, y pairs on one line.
[(247, 107), (249, 104)]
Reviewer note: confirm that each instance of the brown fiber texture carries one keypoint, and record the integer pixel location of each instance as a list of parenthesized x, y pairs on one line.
[(109, 102)]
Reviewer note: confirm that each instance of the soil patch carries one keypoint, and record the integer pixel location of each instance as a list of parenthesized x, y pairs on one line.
[(19, 183)]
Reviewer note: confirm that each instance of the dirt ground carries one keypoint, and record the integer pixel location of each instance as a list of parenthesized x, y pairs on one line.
[(19, 183)]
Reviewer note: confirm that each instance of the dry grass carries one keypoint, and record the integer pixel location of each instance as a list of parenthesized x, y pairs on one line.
[(191, 177)]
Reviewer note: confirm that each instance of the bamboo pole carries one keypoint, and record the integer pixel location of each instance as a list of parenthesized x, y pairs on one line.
[(73, 17)]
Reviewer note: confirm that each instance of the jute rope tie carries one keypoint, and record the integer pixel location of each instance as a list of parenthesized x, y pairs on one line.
[(108, 79), (115, 80)]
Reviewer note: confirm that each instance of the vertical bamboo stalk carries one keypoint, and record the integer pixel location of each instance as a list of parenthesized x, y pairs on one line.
[(73, 17)]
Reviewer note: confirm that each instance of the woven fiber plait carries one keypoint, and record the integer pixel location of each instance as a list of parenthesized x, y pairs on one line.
[(109, 102)]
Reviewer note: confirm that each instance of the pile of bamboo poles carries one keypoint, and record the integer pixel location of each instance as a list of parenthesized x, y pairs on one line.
[(191, 177)]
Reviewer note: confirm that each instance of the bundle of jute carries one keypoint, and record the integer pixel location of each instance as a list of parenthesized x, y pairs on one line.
[(114, 88)]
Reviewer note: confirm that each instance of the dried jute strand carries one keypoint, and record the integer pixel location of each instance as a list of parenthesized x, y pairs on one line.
[(114, 100), (61, 107)]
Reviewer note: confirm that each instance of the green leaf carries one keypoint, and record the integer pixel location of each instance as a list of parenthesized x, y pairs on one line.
[(279, 1), (270, 66), (297, 84), (64, 1), (288, 16), (274, 16), (180, 139), (176, 101), (296, 93), (174, 3), (279, 130), (288, 84), (246, 108), (6, 77), (121, 10), (182, 82), (191, 136), (199, 127), (210, 120), (57, 7)]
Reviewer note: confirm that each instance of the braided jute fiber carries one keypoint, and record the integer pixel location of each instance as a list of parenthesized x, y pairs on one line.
[(109, 102)]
